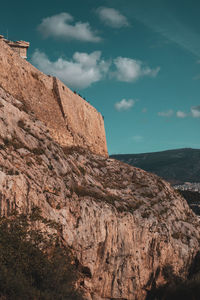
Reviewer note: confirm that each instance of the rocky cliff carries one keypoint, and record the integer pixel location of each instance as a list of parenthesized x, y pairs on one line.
[(70, 119), (125, 226)]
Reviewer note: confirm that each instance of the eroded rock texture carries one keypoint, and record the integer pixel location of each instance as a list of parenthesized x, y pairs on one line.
[(123, 224)]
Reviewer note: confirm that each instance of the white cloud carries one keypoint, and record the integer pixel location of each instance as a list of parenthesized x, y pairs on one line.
[(79, 72), (167, 113), (144, 110), (129, 69), (124, 104), (112, 17), (196, 77), (195, 111), (84, 69), (137, 138), (181, 114), (58, 26)]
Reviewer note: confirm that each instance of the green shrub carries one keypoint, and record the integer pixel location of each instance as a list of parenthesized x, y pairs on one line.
[(177, 288), (82, 170), (70, 150), (176, 235), (33, 265), (21, 124), (38, 151), (145, 214)]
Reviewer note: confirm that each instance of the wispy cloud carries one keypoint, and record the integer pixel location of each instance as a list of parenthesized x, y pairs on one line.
[(196, 77), (59, 26), (183, 36), (144, 110), (124, 104), (79, 72), (195, 111), (137, 138), (112, 17), (181, 114), (167, 113), (129, 70)]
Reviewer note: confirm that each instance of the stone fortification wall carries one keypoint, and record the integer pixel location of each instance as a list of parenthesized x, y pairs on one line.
[(79, 114), (71, 120)]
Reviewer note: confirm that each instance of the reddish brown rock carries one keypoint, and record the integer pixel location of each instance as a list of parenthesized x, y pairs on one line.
[(123, 224)]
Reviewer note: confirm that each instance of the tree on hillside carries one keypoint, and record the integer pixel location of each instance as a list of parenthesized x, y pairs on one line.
[(33, 265)]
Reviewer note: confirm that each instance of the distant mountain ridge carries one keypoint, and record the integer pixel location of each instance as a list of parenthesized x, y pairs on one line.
[(176, 166)]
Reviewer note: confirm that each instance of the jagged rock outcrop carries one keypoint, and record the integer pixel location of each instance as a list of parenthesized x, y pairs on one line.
[(123, 224), (71, 120)]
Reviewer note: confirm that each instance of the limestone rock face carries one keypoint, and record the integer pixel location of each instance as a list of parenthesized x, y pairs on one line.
[(71, 120), (123, 224)]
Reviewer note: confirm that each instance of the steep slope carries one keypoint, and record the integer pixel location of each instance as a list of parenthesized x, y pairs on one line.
[(175, 166), (70, 119), (124, 225)]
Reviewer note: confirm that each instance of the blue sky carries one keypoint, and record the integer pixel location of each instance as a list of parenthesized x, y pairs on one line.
[(136, 61)]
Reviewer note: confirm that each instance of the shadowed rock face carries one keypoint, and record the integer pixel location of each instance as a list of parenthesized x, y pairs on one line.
[(70, 119), (123, 224)]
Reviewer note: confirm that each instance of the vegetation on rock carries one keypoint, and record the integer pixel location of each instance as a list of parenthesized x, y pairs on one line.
[(177, 288), (33, 265)]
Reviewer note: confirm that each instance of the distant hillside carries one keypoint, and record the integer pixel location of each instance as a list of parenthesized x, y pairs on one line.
[(176, 166)]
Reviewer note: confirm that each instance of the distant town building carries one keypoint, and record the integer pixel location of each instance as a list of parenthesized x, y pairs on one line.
[(19, 47), (189, 186)]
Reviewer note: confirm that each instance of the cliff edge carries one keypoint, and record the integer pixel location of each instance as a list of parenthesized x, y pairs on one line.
[(125, 226), (70, 119)]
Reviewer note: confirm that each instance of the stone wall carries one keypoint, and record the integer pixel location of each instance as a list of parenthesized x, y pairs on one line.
[(79, 114), (70, 119)]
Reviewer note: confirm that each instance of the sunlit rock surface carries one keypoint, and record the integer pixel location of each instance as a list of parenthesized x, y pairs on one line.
[(123, 224)]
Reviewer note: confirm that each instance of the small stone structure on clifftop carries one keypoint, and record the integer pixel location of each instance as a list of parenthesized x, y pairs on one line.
[(19, 47)]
